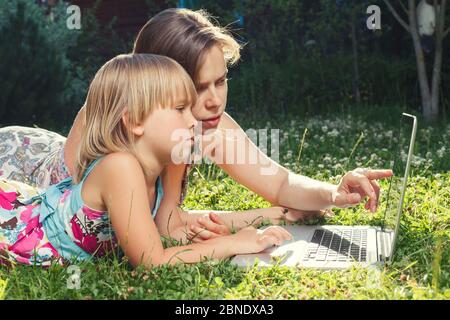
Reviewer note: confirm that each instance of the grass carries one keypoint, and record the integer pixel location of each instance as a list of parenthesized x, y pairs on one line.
[(328, 147)]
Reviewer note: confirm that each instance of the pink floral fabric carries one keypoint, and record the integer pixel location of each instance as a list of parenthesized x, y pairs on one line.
[(23, 239)]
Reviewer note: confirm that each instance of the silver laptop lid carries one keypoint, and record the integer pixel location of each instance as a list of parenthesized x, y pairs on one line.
[(402, 151)]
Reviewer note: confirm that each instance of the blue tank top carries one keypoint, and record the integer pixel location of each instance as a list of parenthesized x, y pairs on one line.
[(55, 218)]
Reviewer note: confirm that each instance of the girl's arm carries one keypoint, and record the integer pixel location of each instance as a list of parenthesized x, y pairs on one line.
[(176, 223), (126, 199)]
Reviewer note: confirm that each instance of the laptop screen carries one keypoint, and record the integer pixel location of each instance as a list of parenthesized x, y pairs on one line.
[(401, 145)]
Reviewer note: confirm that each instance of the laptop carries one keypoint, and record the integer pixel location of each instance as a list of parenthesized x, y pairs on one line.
[(340, 247)]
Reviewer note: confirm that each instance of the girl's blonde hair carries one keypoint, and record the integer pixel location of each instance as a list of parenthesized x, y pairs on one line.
[(133, 83), (185, 36)]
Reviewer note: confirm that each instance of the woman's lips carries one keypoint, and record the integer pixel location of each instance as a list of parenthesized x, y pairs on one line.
[(211, 122)]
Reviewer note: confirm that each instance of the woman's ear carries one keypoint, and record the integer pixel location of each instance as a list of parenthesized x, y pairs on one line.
[(138, 129)]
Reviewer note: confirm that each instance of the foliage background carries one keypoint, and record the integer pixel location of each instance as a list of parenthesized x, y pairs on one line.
[(297, 58)]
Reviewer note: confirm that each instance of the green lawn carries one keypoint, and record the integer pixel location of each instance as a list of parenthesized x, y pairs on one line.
[(331, 145)]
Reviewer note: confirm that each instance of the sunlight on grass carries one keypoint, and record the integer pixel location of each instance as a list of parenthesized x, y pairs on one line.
[(3, 284), (421, 269)]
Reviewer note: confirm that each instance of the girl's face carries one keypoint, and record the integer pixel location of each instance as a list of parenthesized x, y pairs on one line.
[(169, 132), (212, 89)]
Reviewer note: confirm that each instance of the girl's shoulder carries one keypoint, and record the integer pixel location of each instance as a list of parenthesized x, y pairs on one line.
[(120, 158), (116, 172), (118, 164)]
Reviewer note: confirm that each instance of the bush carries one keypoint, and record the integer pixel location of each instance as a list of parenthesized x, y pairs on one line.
[(35, 69), (298, 56), (46, 68)]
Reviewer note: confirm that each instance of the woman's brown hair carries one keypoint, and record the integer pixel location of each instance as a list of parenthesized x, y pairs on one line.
[(185, 36)]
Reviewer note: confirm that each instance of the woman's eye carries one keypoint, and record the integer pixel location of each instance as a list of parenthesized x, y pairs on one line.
[(200, 89), (181, 108), (222, 82)]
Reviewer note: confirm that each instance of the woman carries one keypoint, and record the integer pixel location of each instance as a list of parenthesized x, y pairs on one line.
[(205, 51)]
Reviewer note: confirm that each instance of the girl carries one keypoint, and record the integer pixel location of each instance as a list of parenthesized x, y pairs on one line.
[(134, 104)]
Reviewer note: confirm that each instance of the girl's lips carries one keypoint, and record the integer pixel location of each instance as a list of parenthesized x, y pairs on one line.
[(212, 122)]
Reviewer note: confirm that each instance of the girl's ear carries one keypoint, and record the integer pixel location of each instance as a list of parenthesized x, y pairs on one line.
[(138, 129)]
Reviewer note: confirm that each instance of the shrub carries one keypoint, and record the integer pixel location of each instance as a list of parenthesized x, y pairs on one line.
[(35, 69)]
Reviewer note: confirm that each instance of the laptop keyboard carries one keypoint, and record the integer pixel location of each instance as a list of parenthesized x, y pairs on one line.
[(340, 245)]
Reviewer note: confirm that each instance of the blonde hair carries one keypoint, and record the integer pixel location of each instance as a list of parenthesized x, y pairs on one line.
[(136, 83), (185, 36)]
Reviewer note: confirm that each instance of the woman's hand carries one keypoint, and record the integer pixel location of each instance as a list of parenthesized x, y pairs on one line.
[(278, 214), (252, 240), (294, 215), (212, 226), (356, 185)]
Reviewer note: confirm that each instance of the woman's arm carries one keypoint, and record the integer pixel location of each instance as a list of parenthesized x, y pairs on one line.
[(266, 177), (281, 187), (73, 140)]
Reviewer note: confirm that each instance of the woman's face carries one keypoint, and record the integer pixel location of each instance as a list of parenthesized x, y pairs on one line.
[(212, 89)]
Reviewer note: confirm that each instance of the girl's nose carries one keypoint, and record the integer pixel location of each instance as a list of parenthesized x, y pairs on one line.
[(192, 121)]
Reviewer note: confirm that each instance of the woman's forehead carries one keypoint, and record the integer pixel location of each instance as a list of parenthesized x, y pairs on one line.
[(213, 66)]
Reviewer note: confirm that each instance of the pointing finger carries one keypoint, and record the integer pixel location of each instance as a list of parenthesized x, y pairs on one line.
[(378, 174)]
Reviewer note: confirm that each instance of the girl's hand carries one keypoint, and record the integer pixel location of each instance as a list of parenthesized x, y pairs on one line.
[(251, 240), (212, 226)]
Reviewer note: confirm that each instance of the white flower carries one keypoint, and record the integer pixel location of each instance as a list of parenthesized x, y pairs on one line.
[(333, 133), (324, 128), (441, 152)]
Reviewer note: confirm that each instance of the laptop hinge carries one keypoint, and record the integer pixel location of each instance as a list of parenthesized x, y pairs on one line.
[(383, 246)]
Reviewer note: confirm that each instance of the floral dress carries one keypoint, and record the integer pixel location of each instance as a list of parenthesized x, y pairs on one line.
[(33, 156), (53, 226)]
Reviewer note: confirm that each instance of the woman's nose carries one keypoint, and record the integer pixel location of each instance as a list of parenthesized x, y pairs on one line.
[(213, 100)]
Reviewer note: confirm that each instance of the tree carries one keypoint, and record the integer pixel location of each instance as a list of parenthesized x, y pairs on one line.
[(429, 90)]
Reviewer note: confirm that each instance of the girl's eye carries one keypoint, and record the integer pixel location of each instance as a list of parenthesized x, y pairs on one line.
[(181, 108)]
